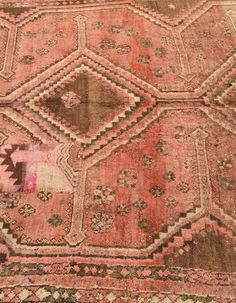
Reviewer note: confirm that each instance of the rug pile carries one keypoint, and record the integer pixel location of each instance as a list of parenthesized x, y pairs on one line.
[(117, 151)]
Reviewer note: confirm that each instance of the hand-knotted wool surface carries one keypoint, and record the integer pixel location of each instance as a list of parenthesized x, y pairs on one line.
[(117, 151)]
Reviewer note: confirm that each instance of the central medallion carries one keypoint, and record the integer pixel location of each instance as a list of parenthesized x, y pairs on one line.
[(83, 102)]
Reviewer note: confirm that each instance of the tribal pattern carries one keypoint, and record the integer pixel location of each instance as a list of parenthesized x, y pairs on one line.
[(117, 151)]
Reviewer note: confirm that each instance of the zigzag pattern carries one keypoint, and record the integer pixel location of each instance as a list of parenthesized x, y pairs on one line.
[(126, 209)]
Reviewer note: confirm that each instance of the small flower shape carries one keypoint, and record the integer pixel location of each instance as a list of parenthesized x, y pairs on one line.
[(183, 187), (171, 202), (28, 59), (146, 42), (103, 194), (164, 40), (145, 225), (224, 163), (44, 195), (148, 161), (179, 132), (122, 209), (97, 25), (127, 178), (159, 72), (107, 44), (31, 34), (144, 59), (26, 210), (162, 147), (114, 29), (206, 34), (61, 34), (101, 223), (55, 220), (9, 200), (123, 49), (157, 191), (42, 51), (200, 57), (186, 164), (52, 42), (132, 32), (169, 176), (160, 52), (140, 204), (70, 99)]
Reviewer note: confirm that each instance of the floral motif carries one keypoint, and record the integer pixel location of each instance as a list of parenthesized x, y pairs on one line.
[(145, 225), (127, 179), (144, 59), (97, 25), (61, 34), (206, 34), (171, 202), (224, 163), (55, 220), (101, 223), (186, 164), (122, 209), (140, 204), (31, 34), (132, 32), (44, 195), (200, 57), (160, 52), (228, 183), (123, 49), (169, 176), (28, 59), (52, 42), (183, 187), (104, 194), (162, 147), (70, 99), (146, 42), (107, 44), (26, 210), (42, 51), (164, 40), (158, 72), (114, 29), (148, 161), (157, 191), (180, 132), (9, 200)]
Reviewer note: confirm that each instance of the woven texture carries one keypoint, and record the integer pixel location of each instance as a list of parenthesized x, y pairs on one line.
[(117, 151)]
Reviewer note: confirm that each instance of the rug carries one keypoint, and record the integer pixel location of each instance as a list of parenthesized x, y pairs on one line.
[(117, 151)]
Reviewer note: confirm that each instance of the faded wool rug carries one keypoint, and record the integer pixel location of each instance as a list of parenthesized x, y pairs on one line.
[(117, 151)]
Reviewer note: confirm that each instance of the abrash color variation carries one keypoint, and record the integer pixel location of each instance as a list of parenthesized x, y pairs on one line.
[(117, 151)]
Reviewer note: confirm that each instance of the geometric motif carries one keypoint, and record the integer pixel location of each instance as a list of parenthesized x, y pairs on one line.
[(3, 137), (117, 151), (47, 294), (93, 98)]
